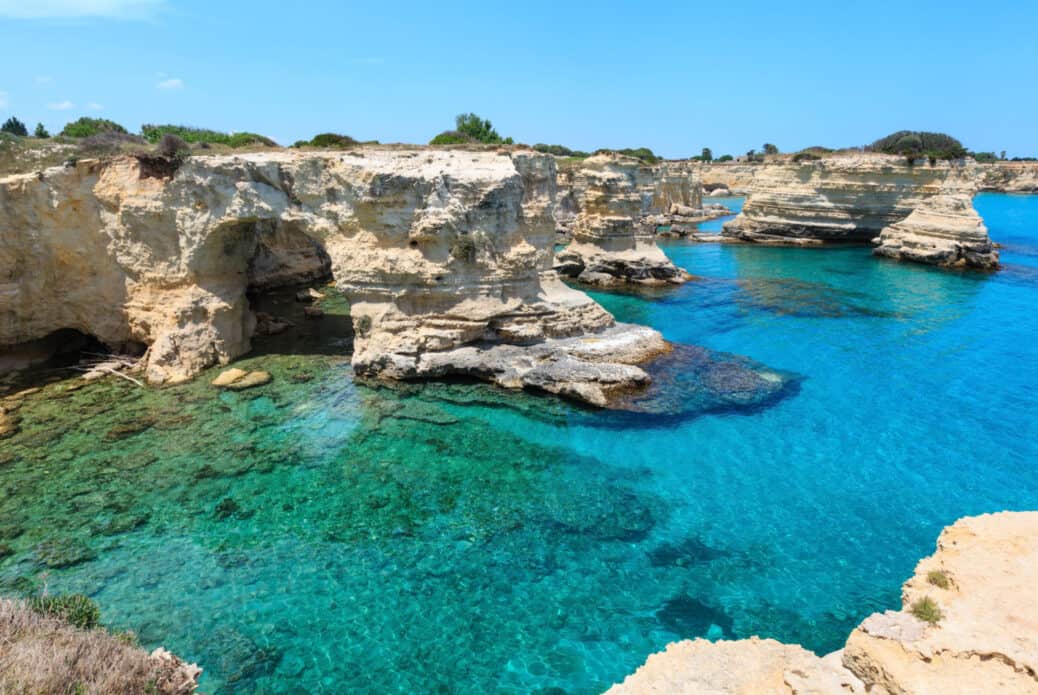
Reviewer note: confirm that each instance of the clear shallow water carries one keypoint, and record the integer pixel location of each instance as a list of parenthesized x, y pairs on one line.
[(317, 535)]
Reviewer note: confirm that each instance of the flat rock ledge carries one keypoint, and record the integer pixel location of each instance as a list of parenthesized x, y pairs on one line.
[(982, 579), (594, 368)]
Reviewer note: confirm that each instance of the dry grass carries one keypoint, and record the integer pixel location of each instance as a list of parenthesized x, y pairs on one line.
[(41, 655)]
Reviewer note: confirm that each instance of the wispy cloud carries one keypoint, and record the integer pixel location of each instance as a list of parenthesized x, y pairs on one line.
[(171, 83), (4, 101), (94, 106), (61, 106), (113, 9)]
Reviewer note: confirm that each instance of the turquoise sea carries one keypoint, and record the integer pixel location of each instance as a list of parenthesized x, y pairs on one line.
[(322, 535)]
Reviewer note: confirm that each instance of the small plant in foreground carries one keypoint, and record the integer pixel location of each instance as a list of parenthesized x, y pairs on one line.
[(926, 609), (76, 609), (938, 578)]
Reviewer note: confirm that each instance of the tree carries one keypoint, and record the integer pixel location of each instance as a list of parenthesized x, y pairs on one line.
[(40, 132), (85, 127), (479, 129), (707, 155), (914, 144), (15, 127), (1002, 156), (751, 154), (725, 158), (770, 149)]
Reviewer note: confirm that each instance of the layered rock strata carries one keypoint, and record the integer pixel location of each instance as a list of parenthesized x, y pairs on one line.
[(980, 583), (611, 206), (917, 212), (440, 252), (1008, 177)]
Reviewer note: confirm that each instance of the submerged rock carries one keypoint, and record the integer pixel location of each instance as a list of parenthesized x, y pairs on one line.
[(236, 379)]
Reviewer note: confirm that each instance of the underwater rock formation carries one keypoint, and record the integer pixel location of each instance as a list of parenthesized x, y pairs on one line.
[(609, 203), (980, 633), (437, 250), (869, 198)]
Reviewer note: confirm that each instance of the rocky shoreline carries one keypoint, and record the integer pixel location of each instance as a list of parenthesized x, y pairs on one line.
[(967, 625)]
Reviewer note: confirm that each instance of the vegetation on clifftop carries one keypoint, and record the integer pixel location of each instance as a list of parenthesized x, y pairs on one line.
[(154, 133), (470, 128), (912, 143), (85, 127), (15, 127)]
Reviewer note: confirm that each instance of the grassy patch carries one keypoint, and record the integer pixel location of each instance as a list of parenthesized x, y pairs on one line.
[(75, 609), (927, 610), (938, 578)]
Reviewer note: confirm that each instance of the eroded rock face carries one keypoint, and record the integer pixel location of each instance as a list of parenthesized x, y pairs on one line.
[(436, 249), (1008, 177), (862, 198), (610, 206), (981, 579)]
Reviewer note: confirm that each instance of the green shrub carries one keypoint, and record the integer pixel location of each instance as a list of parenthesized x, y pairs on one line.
[(479, 129), (330, 140), (707, 155), (153, 133), (938, 578), (927, 610), (560, 151), (985, 157), (643, 153), (15, 127), (770, 149), (172, 146), (919, 143), (725, 158), (40, 132), (451, 137), (75, 609), (85, 127)]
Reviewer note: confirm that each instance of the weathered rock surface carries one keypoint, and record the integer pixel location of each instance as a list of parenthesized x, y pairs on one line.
[(920, 213), (986, 641), (435, 249), (736, 177), (1008, 177), (609, 204), (745, 667)]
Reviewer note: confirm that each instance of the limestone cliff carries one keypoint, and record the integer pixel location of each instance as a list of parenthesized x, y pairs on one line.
[(445, 256), (1009, 177), (985, 638), (607, 204), (921, 212), (735, 177)]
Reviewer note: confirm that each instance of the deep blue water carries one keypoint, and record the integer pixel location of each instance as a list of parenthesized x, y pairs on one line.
[(318, 535)]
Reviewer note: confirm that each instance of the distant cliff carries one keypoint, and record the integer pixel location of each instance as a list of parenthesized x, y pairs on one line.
[(921, 213)]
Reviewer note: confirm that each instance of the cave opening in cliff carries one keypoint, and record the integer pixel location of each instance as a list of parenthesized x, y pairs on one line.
[(62, 349)]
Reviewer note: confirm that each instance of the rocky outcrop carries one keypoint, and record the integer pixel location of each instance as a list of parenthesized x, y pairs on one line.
[(979, 590), (610, 208), (440, 252), (735, 177), (1008, 177), (921, 213)]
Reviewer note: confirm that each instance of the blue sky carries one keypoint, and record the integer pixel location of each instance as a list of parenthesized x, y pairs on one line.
[(673, 76)]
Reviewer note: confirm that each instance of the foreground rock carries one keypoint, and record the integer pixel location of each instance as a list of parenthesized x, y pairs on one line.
[(981, 579), (41, 654), (920, 213), (608, 203), (436, 250)]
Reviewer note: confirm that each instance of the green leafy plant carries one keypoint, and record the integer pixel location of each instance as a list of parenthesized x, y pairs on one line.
[(470, 128), (912, 144), (938, 578), (40, 132), (15, 127), (927, 610), (643, 153), (75, 609), (707, 155), (85, 127), (153, 133), (770, 149), (330, 140), (725, 158), (560, 151)]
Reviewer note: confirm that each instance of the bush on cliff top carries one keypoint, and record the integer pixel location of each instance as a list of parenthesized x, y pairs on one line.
[(919, 143), (15, 127), (470, 128), (560, 150), (643, 153), (154, 133), (85, 127)]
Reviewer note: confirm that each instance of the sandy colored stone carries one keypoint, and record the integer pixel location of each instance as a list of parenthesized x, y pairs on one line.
[(987, 641), (606, 202), (435, 249), (1008, 177), (744, 667), (922, 213), (257, 378), (229, 376)]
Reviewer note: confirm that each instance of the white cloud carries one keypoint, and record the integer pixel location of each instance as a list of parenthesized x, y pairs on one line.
[(94, 106), (172, 83), (115, 9), (61, 106), (4, 102)]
